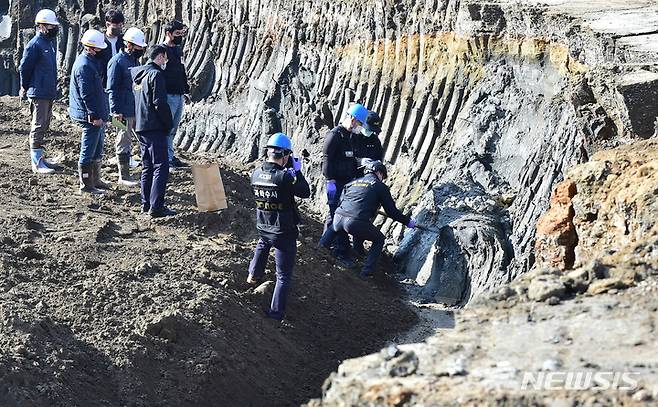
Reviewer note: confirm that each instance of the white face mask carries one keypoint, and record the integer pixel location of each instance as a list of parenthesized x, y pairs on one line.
[(357, 130)]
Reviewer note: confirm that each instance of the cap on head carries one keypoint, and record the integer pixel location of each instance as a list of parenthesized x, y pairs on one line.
[(374, 123), (135, 36), (114, 17), (174, 25), (46, 16), (359, 112), (374, 166), (94, 39)]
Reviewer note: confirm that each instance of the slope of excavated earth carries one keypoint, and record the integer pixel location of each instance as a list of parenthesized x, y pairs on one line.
[(101, 306), (590, 307)]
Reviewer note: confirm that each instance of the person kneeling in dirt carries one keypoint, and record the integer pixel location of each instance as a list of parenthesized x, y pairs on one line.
[(153, 121), (368, 147), (277, 217), (361, 199), (89, 107)]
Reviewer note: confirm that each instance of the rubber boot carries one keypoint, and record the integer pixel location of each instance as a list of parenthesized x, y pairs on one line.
[(85, 173), (96, 172), (38, 164), (125, 178)]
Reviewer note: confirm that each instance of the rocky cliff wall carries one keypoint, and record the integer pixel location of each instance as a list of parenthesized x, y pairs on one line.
[(485, 103)]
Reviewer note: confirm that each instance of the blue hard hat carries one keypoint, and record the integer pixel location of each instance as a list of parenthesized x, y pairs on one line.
[(279, 140), (359, 112)]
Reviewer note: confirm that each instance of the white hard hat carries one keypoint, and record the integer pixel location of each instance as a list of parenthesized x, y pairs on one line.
[(135, 36), (46, 16), (94, 39)]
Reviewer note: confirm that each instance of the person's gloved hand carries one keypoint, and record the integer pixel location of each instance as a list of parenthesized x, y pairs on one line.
[(296, 163), (412, 223), (292, 172), (331, 190)]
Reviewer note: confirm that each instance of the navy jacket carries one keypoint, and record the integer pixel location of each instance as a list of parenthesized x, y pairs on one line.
[(87, 97), (152, 111), (38, 68), (106, 54), (120, 84), (367, 147), (175, 75), (362, 197), (275, 191), (338, 162)]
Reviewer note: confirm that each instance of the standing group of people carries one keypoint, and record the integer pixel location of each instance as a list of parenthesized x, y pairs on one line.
[(352, 165), (107, 85)]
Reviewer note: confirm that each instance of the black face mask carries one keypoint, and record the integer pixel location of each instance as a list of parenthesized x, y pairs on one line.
[(52, 32), (116, 31), (136, 53), (178, 40)]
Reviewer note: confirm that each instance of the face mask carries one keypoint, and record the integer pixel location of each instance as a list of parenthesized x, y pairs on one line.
[(178, 40), (163, 66), (52, 32), (357, 130), (115, 31), (136, 53)]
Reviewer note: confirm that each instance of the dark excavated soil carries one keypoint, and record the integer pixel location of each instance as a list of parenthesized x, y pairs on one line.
[(100, 306)]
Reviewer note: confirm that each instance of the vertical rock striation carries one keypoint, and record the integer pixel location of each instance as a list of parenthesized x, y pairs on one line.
[(485, 103)]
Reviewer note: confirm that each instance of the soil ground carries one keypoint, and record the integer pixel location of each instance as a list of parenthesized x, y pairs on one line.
[(102, 306)]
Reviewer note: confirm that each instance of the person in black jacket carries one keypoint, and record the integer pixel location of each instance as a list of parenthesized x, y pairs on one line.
[(339, 167), (152, 123), (368, 148), (361, 199), (275, 188), (114, 20), (177, 87)]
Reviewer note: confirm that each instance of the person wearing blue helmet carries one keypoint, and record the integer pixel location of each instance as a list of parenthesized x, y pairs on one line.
[(275, 188), (339, 166)]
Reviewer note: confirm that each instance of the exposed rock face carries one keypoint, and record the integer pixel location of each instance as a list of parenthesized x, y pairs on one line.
[(556, 233), (484, 103), (564, 325)]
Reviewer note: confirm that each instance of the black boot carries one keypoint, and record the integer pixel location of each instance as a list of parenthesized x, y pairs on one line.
[(125, 178), (85, 173), (161, 213), (96, 171)]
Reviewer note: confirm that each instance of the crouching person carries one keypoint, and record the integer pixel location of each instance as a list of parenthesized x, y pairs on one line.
[(277, 217), (88, 106), (153, 121), (361, 199)]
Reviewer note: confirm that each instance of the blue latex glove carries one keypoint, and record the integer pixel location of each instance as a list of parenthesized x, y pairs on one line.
[(331, 190), (296, 163), (292, 172), (412, 223)]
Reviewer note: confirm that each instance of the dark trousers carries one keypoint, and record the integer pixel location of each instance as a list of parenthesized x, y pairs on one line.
[(329, 235), (285, 249), (362, 230), (155, 168)]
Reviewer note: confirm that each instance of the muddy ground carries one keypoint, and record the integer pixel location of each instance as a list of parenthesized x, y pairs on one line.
[(101, 306)]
